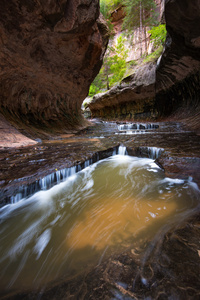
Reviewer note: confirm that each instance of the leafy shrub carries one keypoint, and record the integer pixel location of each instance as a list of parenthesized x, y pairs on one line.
[(158, 35), (113, 69)]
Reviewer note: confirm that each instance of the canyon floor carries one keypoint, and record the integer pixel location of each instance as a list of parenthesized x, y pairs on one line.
[(173, 262), (23, 160)]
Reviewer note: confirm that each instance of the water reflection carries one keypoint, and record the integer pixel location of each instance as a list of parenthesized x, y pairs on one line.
[(72, 226)]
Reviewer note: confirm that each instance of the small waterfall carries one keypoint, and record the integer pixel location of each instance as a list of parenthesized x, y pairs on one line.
[(50, 180), (114, 151), (44, 183), (136, 128), (154, 152), (122, 150), (58, 176), (149, 152), (123, 127)]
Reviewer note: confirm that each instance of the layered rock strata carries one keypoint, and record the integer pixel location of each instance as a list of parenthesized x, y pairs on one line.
[(50, 54), (132, 99)]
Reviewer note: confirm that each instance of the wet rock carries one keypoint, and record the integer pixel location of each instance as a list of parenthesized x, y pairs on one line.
[(174, 264), (50, 54), (167, 266), (23, 169), (142, 126)]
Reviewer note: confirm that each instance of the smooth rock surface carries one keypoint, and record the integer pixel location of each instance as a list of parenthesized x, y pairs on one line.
[(10, 137)]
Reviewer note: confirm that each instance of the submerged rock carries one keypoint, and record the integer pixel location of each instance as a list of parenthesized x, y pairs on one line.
[(166, 266), (50, 54)]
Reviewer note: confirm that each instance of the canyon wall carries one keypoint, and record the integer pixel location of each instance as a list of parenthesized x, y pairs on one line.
[(50, 53), (177, 78), (178, 73), (132, 99)]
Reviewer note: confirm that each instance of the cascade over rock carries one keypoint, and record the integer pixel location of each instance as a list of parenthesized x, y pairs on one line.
[(177, 78), (50, 53)]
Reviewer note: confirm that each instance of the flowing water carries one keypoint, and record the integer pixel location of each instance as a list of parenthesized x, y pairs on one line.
[(77, 223), (136, 128)]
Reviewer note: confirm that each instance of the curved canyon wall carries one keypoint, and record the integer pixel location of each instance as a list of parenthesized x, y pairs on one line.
[(178, 73), (177, 77), (50, 53)]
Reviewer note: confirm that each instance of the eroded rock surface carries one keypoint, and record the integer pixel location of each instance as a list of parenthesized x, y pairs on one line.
[(10, 137), (132, 99), (50, 53), (177, 77)]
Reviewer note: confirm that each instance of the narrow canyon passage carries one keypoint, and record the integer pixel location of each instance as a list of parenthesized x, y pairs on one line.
[(106, 208)]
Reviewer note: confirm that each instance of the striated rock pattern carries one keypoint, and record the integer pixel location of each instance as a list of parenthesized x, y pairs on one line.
[(50, 52), (132, 99), (178, 73)]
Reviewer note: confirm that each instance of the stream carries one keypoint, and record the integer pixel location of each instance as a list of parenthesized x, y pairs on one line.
[(85, 218)]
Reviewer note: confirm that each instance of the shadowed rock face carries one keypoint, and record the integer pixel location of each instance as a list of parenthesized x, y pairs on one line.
[(178, 74), (50, 53)]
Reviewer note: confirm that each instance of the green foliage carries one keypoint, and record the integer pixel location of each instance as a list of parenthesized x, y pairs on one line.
[(113, 69), (158, 35), (106, 6), (153, 56), (99, 83), (95, 87), (139, 13), (117, 61)]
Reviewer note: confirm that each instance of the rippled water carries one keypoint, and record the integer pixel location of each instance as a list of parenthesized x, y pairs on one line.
[(75, 224)]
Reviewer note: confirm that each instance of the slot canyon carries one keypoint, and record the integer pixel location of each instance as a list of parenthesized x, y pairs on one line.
[(107, 207)]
